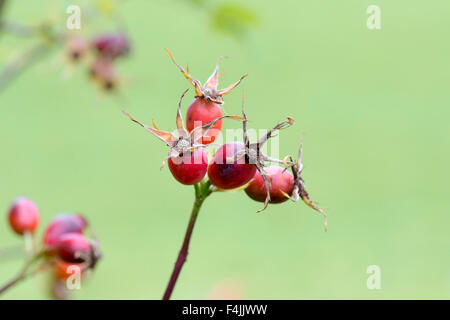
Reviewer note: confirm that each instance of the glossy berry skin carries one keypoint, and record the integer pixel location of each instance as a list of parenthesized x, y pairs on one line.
[(112, 45), (280, 182), (230, 175), (191, 168), (200, 112), (74, 248), (63, 224), (23, 216)]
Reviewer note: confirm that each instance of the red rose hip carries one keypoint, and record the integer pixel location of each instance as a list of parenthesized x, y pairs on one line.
[(64, 270), (200, 112), (226, 172), (63, 224), (74, 248), (206, 105), (23, 216), (112, 45), (187, 158), (281, 182), (76, 48), (190, 168)]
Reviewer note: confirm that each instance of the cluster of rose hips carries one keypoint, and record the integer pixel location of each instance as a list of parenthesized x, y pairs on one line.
[(106, 49), (64, 244), (236, 164)]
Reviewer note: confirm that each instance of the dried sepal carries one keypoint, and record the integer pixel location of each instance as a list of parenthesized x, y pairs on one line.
[(164, 136), (226, 91), (209, 90), (199, 132), (192, 81), (267, 183), (179, 119), (252, 152), (213, 80), (299, 191)]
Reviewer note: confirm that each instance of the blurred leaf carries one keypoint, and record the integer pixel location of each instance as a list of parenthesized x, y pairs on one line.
[(233, 18), (107, 7), (199, 3)]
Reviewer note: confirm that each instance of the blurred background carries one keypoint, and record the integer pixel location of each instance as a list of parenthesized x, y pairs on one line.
[(373, 106)]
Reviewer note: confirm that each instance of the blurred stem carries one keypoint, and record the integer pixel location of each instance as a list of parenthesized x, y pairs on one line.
[(29, 244), (24, 61), (2, 6), (23, 272), (202, 191)]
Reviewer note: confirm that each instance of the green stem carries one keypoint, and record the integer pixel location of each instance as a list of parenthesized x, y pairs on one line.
[(202, 191)]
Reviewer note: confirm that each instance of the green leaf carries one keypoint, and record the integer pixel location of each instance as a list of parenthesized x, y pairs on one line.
[(233, 19)]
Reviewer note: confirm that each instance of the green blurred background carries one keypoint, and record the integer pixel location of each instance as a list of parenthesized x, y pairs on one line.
[(374, 108)]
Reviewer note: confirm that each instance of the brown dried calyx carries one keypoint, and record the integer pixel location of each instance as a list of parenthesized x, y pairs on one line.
[(185, 142), (252, 152), (299, 191), (209, 90)]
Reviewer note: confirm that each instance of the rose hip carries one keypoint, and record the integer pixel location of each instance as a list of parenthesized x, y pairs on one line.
[(188, 162), (63, 270), (281, 182), (200, 112), (190, 168), (206, 105), (23, 216), (225, 171), (63, 224), (112, 45), (104, 73), (74, 248), (76, 47)]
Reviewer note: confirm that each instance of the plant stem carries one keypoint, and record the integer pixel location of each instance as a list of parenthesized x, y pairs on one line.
[(2, 6), (27, 59), (23, 272), (202, 191), (15, 280)]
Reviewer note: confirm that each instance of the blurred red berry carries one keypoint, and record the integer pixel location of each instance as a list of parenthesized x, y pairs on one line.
[(281, 182), (63, 270), (74, 248), (206, 105), (190, 168), (112, 45), (227, 172), (23, 216), (76, 47), (63, 224), (104, 73)]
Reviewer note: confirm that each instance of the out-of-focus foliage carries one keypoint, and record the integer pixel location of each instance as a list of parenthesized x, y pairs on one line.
[(200, 3), (233, 18), (108, 7)]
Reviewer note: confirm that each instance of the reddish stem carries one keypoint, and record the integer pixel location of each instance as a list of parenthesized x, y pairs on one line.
[(201, 192)]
